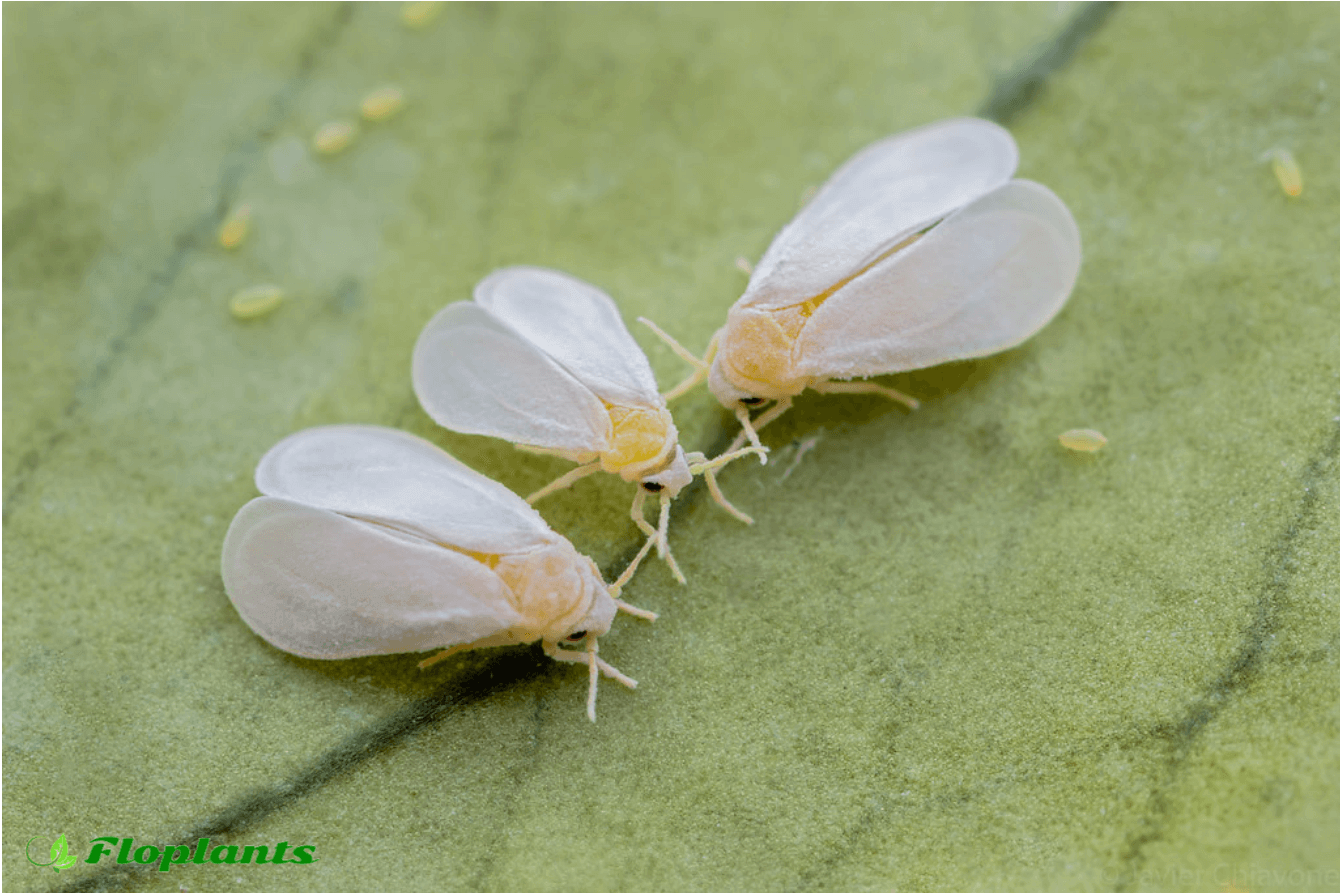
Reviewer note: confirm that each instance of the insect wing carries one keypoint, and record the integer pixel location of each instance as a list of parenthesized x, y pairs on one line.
[(473, 374), (577, 325), (881, 196), (984, 280), (403, 482), (321, 585)]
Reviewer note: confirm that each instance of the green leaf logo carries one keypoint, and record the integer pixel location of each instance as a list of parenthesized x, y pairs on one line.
[(60, 855), (61, 858)]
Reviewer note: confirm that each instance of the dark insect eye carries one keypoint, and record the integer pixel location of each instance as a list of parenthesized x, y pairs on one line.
[(577, 637), (653, 487), (751, 401)]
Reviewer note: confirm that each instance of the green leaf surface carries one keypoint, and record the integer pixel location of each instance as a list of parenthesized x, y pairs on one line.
[(948, 654)]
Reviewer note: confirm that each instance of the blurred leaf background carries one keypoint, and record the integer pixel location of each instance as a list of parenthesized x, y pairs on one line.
[(948, 654)]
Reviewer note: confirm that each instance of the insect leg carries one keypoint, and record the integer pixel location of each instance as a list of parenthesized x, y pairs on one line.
[(708, 469), (636, 611), (498, 639), (445, 653), (750, 427), (711, 477), (702, 464), (565, 480), (866, 388), (636, 513), (663, 542), (594, 662), (593, 676), (624, 578)]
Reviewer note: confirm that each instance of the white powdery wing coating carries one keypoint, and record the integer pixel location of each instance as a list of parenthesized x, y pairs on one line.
[(577, 325), (475, 375), (882, 195), (982, 281), (321, 585), (401, 481)]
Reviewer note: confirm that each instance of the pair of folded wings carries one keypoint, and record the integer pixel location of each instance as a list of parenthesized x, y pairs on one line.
[(346, 554), (999, 260), (533, 360)]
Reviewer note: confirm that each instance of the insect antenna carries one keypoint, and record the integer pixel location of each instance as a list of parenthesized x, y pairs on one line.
[(701, 366)]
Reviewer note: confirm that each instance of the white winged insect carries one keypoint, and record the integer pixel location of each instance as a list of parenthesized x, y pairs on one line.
[(921, 249), (542, 359), (370, 541)]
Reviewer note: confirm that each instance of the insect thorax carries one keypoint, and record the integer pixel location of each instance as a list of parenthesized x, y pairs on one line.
[(756, 353), (640, 441), (552, 588)]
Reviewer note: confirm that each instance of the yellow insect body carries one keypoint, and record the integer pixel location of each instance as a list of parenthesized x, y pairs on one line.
[(761, 361), (642, 442)]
